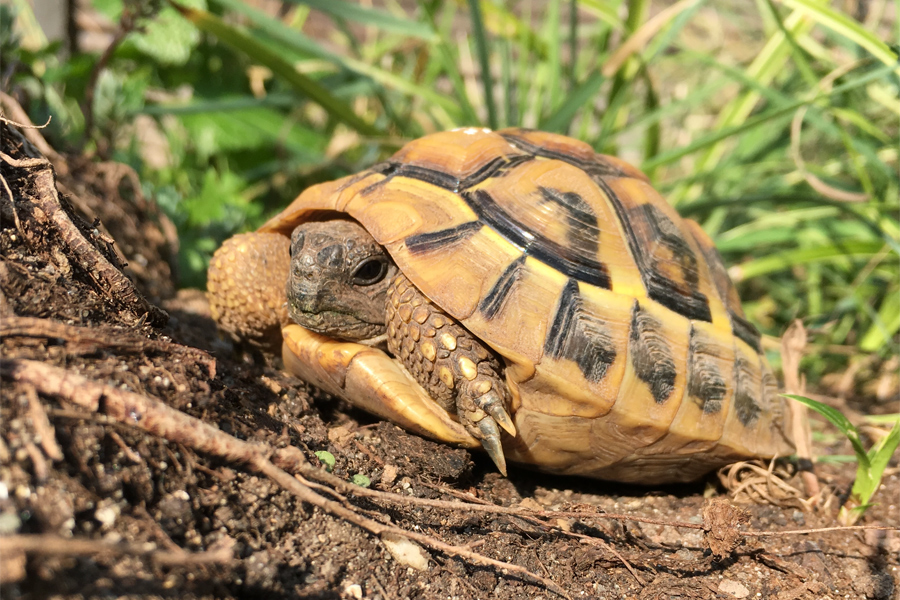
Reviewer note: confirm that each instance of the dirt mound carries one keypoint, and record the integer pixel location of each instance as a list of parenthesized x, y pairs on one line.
[(142, 457)]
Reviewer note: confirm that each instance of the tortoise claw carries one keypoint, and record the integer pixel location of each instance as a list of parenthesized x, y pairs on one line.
[(493, 405), (490, 440)]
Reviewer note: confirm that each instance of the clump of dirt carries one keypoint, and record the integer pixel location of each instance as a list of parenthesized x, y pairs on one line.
[(143, 457)]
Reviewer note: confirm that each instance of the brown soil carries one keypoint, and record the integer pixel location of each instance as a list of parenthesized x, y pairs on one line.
[(104, 493)]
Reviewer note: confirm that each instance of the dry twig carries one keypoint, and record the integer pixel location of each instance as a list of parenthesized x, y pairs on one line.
[(792, 344), (48, 545)]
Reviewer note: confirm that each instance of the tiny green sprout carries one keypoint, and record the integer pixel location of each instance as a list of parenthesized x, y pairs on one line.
[(327, 459), (361, 480), (869, 465)]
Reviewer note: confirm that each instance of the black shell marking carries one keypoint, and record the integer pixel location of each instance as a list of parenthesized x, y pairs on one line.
[(745, 394), (435, 240), (493, 303), (705, 382), (568, 261), (684, 299), (744, 330), (582, 234), (593, 168), (580, 336), (651, 355)]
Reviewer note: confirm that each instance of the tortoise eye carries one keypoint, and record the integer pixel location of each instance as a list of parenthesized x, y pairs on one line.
[(370, 272)]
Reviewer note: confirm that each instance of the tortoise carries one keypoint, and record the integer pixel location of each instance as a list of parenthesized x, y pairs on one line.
[(517, 291)]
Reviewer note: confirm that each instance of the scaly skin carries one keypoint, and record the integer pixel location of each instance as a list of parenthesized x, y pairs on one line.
[(246, 288), (458, 371)]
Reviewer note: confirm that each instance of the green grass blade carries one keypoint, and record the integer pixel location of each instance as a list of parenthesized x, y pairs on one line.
[(580, 96), (884, 326), (268, 57), (605, 11), (403, 84), (278, 30), (295, 39), (799, 256), (666, 38), (770, 226), (504, 24), (888, 419), (880, 454), (481, 47), (571, 74), (848, 28), (836, 418), (507, 83), (554, 45), (767, 64), (370, 16), (799, 54), (869, 478), (616, 102), (651, 102), (451, 68), (814, 116), (714, 137)]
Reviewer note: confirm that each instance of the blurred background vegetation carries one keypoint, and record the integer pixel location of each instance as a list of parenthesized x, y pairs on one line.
[(773, 123)]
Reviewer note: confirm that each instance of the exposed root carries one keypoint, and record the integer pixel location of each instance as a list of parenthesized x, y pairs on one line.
[(14, 548), (752, 481), (48, 224)]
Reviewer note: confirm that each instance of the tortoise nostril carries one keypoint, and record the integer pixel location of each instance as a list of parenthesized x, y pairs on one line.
[(307, 304)]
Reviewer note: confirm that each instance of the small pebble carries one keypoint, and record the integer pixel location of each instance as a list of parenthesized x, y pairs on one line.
[(736, 589)]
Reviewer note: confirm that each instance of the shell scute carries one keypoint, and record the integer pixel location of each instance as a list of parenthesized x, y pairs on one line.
[(584, 353)]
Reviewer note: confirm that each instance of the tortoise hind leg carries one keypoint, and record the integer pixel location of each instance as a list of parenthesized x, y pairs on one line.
[(455, 368)]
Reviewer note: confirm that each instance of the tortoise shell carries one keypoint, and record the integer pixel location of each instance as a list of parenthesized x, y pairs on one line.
[(627, 352)]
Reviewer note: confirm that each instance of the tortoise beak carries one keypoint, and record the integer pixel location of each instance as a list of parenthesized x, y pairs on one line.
[(304, 303)]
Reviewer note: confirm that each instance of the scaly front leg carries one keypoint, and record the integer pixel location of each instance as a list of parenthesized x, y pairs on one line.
[(458, 371)]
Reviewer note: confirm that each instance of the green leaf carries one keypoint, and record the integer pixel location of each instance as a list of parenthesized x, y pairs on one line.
[(361, 480), (219, 200), (327, 459), (168, 38), (268, 57), (223, 130)]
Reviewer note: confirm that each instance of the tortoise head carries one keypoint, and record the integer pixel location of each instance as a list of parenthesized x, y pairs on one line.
[(338, 280)]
